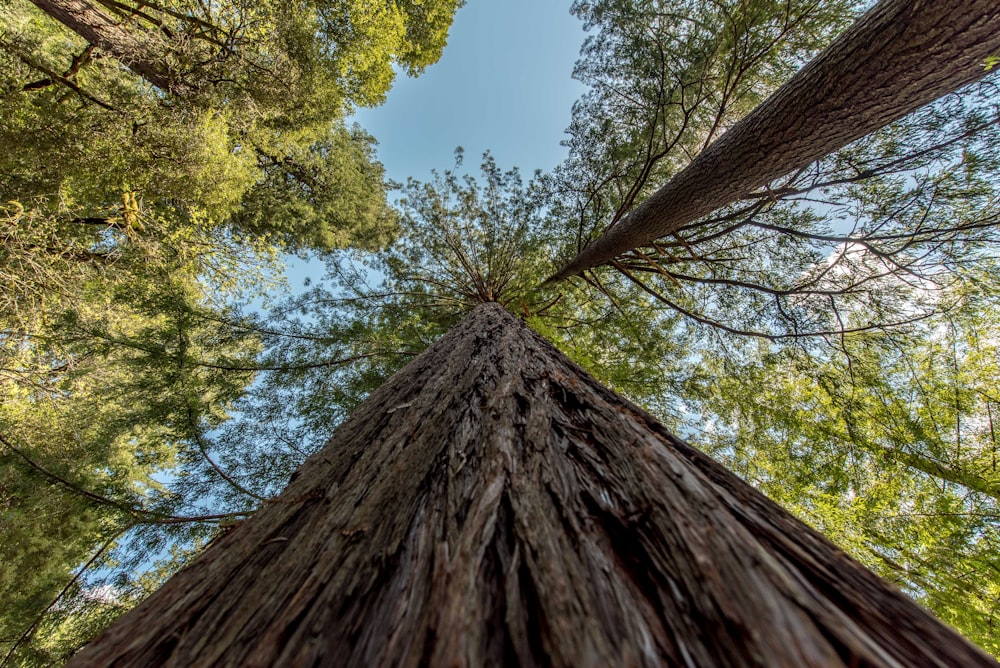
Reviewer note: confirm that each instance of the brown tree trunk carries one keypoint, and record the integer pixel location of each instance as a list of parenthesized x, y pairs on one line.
[(899, 56), (491, 504), (141, 51)]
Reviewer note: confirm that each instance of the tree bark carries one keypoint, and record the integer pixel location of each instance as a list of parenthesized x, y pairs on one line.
[(140, 51), (492, 504), (900, 55)]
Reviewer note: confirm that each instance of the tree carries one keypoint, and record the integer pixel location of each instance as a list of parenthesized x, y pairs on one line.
[(492, 504), (886, 446), (879, 229), (816, 315), (325, 351), (867, 78), (105, 389), (462, 239), (187, 48), (918, 185), (136, 52), (158, 157), (221, 101)]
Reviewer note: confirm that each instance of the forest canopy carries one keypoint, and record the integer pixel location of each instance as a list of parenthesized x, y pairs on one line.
[(831, 338), (158, 160)]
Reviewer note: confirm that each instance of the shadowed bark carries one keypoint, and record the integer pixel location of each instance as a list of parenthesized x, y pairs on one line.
[(491, 504), (900, 55)]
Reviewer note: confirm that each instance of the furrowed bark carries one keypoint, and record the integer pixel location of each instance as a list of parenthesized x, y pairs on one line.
[(137, 50), (900, 55), (492, 504)]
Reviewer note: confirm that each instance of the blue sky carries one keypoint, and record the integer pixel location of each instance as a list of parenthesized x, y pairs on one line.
[(504, 83)]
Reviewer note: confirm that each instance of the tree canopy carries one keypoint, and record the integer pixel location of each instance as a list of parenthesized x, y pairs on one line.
[(831, 337), (858, 84), (240, 122), (159, 158)]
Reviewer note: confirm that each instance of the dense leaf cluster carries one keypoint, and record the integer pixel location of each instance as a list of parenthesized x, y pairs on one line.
[(158, 158), (831, 338)]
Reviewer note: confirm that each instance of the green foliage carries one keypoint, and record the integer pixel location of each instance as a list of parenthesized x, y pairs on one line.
[(104, 384), (666, 77), (147, 187), (876, 428), (144, 405), (249, 137), (888, 447), (329, 194), (463, 240)]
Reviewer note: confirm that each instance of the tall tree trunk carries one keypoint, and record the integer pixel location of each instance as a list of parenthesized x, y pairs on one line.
[(491, 504), (141, 51), (900, 55)]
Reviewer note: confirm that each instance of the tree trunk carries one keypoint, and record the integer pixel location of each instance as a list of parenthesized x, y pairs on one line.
[(899, 56), (141, 51), (491, 504)]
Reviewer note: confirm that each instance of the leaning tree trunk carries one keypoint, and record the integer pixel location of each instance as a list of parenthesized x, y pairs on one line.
[(141, 51), (492, 504), (899, 56)]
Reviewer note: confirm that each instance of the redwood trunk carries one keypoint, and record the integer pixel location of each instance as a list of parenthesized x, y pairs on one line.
[(492, 504), (900, 55), (140, 51)]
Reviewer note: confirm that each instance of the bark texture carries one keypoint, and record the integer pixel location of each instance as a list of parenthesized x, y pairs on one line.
[(140, 51), (900, 55), (491, 504)]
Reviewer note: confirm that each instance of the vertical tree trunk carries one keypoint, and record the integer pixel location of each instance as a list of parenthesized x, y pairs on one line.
[(900, 55), (140, 51), (491, 504)]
